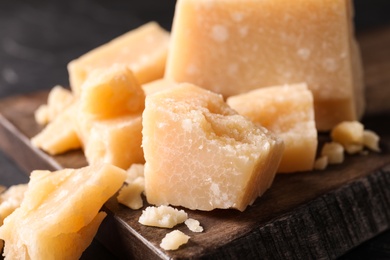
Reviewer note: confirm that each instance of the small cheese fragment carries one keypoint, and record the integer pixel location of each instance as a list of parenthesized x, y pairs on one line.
[(135, 171), (321, 163), (162, 216), (173, 240), (112, 92), (130, 194), (348, 132), (60, 134), (59, 215), (193, 225), (334, 152), (287, 111), (59, 98), (371, 140), (143, 50), (231, 47), (201, 154)]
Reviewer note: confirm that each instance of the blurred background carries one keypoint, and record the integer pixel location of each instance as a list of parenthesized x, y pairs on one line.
[(39, 37)]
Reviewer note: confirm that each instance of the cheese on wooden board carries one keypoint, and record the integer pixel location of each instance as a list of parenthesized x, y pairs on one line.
[(173, 240), (162, 216), (143, 50), (10, 200), (59, 215), (112, 92), (231, 47), (201, 154), (287, 111), (60, 134)]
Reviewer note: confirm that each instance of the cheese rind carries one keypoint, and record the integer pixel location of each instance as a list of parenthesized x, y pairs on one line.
[(201, 154), (231, 47), (287, 111), (143, 50)]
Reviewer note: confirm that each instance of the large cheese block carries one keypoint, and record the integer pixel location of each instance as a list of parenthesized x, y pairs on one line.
[(232, 47), (201, 154), (59, 215), (112, 92), (143, 50), (287, 111)]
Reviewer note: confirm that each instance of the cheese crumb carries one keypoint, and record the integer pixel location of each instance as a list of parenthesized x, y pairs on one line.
[(347, 133), (371, 140), (321, 163), (193, 225), (334, 151), (173, 240), (130, 194), (162, 216), (135, 171)]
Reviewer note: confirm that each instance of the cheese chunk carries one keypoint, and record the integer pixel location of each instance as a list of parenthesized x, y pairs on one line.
[(162, 216), (10, 200), (143, 50), (334, 152), (157, 85), (232, 47), (287, 111), (193, 225), (130, 194), (173, 240), (115, 141), (59, 215), (60, 134), (201, 154), (112, 92)]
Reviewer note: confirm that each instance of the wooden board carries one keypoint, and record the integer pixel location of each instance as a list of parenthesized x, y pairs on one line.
[(320, 214)]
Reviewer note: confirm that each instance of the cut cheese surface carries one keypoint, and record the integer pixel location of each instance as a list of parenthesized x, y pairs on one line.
[(143, 50), (157, 85), (231, 47), (287, 111), (201, 154), (112, 92), (59, 215)]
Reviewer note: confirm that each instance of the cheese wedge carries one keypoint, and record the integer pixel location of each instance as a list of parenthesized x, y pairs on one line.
[(231, 47), (112, 92), (287, 111), (201, 154), (59, 215), (143, 50)]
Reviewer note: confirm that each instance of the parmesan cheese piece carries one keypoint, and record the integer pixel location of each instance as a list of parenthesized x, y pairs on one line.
[(60, 134), (162, 216), (348, 132), (201, 154), (173, 240), (143, 50), (59, 215), (193, 225), (231, 47), (287, 111), (371, 140), (321, 163), (111, 92), (135, 171), (334, 152), (130, 194), (157, 85)]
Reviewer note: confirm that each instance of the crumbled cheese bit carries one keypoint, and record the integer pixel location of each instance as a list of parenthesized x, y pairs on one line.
[(348, 132), (173, 240), (41, 115), (10, 200), (371, 140), (321, 163), (136, 170), (130, 194), (162, 216), (193, 225), (334, 151), (353, 148)]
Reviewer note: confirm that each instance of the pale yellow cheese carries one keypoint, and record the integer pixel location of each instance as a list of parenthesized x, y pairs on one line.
[(143, 50), (201, 154), (287, 111), (193, 225), (130, 194), (10, 200), (231, 47), (112, 92), (59, 215), (157, 85), (334, 152), (371, 140), (173, 240), (60, 134), (162, 216)]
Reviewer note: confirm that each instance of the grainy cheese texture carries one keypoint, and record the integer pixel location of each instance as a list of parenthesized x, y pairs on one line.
[(59, 215), (201, 154), (232, 47), (143, 50), (287, 111)]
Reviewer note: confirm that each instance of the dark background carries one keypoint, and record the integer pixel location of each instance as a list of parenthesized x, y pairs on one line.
[(39, 38)]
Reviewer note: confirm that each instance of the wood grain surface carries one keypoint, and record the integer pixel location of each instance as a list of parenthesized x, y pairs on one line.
[(312, 215)]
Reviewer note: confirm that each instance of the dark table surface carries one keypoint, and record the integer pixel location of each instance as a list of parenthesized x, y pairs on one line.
[(38, 39)]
